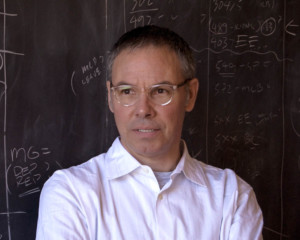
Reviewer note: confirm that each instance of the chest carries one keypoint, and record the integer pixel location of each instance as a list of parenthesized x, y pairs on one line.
[(136, 208)]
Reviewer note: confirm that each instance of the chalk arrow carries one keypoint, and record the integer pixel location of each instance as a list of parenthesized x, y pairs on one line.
[(291, 25)]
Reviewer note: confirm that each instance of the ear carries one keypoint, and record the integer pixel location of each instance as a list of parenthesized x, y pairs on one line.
[(109, 97), (193, 86)]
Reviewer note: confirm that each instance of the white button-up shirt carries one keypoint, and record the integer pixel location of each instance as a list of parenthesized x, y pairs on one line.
[(113, 196)]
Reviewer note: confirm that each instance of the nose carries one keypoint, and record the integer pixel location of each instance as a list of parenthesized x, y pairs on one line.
[(144, 106)]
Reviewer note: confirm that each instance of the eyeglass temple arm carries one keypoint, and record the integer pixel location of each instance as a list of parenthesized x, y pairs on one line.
[(185, 82)]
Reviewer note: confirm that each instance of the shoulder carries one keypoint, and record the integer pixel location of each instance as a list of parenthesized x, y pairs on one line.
[(67, 200), (82, 179), (216, 178), (76, 179), (236, 195)]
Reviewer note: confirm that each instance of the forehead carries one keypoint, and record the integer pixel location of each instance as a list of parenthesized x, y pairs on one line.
[(146, 62)]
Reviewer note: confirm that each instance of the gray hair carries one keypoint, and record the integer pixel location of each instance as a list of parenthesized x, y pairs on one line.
[(158, 37)]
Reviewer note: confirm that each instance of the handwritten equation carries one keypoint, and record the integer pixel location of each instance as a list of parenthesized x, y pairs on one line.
[(27, 170), (243, 60), (147, 12), (242, 130), (247, 118)]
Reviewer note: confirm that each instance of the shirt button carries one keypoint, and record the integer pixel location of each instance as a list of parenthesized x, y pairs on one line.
[(160, 197), (146, 170)]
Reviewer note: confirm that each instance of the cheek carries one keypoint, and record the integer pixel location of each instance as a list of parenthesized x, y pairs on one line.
[(173, 118), (121, 117)]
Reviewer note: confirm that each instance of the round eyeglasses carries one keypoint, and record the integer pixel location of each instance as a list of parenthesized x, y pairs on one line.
[(160, 94)]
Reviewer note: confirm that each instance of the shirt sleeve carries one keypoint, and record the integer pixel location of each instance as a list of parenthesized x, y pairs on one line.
[(247, 220), (60, 212)]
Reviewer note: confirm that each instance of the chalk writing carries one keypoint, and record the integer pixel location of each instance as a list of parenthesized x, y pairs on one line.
[(140, 4), (219, 42), (268, 27), (27, 167), (140, 20), (289, 25), (229, 69), (25, 175), (245, 41), (245, 26), (92, 69), (264, 27), (228, 89), (247, 140), (226, 5), (87, 73), (147, 12), (267, 3), (220, 25), (239, 42), (246, 118), (29, 154), (140, 12)]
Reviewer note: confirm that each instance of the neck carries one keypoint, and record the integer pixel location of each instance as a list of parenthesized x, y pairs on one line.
[(159, 162)]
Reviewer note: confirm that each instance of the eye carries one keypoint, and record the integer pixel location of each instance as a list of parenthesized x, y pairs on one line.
[(125, 91), (161, 90)]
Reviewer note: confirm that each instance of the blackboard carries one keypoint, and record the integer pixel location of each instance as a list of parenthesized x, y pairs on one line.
[(54, 111)]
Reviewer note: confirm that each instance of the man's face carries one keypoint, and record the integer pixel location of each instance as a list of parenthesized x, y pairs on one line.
[(148, 130)]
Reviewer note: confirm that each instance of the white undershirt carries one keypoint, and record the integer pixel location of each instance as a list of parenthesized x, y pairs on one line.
[(162, 178)]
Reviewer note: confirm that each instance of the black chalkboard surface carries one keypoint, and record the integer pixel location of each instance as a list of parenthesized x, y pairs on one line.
[(53, 111)]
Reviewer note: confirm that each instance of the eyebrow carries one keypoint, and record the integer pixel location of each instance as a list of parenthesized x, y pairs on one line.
[(128, 84), (120, 84), (164, 82)]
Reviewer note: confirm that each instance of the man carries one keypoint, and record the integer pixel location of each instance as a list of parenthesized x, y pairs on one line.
[(147, 186)]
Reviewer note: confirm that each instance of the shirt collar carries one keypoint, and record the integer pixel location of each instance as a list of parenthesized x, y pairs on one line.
[(119, 162), (191, 168)]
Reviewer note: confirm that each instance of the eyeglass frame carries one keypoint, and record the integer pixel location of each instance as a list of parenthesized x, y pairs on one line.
[(174, 87)]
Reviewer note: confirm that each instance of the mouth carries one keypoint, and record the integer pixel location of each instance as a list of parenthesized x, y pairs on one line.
[(146, 130)]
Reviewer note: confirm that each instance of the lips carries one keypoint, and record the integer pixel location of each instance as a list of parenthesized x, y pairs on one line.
[(146, 130)]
